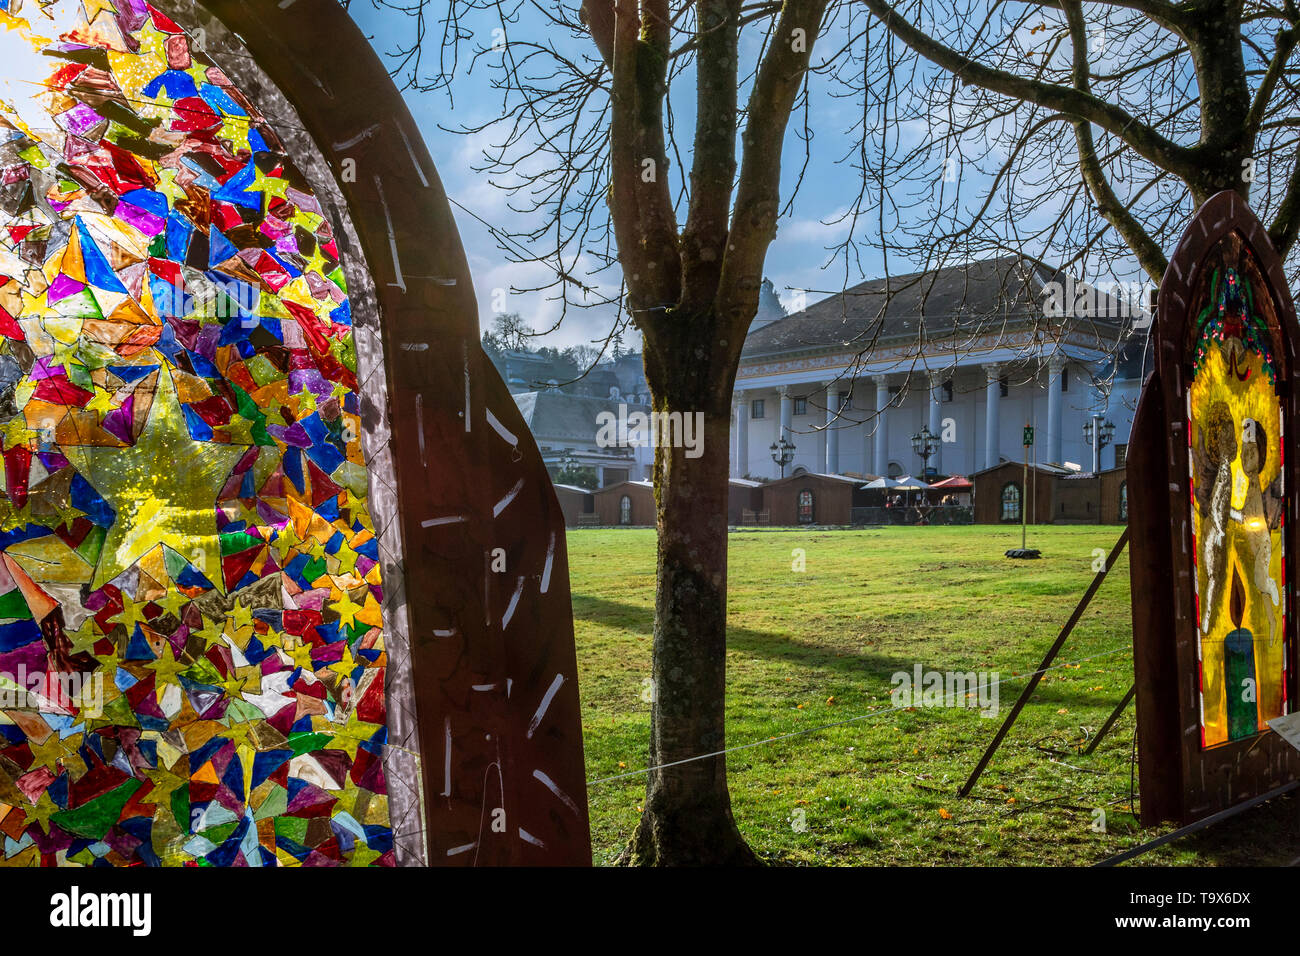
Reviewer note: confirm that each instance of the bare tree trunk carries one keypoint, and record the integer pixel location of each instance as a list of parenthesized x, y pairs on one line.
[(687, 818)]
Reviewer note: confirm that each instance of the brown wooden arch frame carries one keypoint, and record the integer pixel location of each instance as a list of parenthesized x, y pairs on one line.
[(1179, 779), (492, 654)]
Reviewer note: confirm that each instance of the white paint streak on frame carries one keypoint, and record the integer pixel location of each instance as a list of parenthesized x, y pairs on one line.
[(419, 426), (446, 757), (549, 784), (500, 429), (411, 152), (510, 495), (544, 705), (392, 236), (452, 519), (464, 357), (364, 134), (514, 603), (550, 560)]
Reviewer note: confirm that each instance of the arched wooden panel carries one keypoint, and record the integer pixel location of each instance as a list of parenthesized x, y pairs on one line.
[(473, 687), (1213, 470)]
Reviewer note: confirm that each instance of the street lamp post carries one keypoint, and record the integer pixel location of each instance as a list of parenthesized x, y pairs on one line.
[(782, 453), (925, 444), (1098, 434)]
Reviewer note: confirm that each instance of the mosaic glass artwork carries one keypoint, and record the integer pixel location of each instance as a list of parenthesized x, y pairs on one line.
[(191, 647), (1235, 429)]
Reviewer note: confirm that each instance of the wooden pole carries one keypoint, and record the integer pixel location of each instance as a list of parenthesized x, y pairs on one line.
[(1110, 721), (1046, 662), (1024, 497)]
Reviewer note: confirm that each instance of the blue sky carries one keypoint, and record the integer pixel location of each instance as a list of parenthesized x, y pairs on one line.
[(795, 260)]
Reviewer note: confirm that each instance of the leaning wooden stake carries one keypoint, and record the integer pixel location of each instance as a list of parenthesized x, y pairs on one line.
[(1050, 656), (1110, 721)]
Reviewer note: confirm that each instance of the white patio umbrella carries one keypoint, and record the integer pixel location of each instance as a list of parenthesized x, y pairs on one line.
[(908, 483)]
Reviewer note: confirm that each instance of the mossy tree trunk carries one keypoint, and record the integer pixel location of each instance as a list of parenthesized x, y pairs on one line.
[(693, 291)]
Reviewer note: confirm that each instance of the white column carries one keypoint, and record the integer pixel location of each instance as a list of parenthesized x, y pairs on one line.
[(1054, 367), (740, 464), (832, 428), (992, 396), (936, 426), (881, 463), (787, 412)]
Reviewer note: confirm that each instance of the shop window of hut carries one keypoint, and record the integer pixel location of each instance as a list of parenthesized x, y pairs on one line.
[(625, 510), (1123, 501), (805, 507), (1011, 502)]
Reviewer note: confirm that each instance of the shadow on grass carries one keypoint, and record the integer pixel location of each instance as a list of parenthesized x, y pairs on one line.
[(786, 648)]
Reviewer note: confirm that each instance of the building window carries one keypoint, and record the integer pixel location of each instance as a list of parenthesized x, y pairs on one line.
[(1121, 455), (625, 510), (1065, 379), (1004, 387), (945, 391), (756, 408), (1123, 501), (805, 507), (1011, 502), (895, 470), (846, 401), (801, 405)]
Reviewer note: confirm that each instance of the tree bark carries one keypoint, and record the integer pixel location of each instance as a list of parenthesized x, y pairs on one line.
[(687, 819)]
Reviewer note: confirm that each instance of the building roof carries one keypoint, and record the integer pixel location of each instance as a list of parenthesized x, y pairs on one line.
[(639, 483), (573, 488), (985, 296), (1043, 467), (555, 415), (805, 475)]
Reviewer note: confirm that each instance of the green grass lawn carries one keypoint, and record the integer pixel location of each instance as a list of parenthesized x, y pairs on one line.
[(811, 648)]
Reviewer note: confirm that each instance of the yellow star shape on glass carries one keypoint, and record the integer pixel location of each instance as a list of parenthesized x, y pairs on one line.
[(300, 654), (164, 782), (85, 637), (212, 632), (16, 432), (174, 602), (306, 401), (166, 668), (345, 664), (348, 610), (347, 558), (131, 613), (164, 488), (52, 749), (287, 539), (241, 615)]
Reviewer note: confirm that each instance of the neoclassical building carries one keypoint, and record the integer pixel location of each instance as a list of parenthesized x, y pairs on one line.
[(973, 353)]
